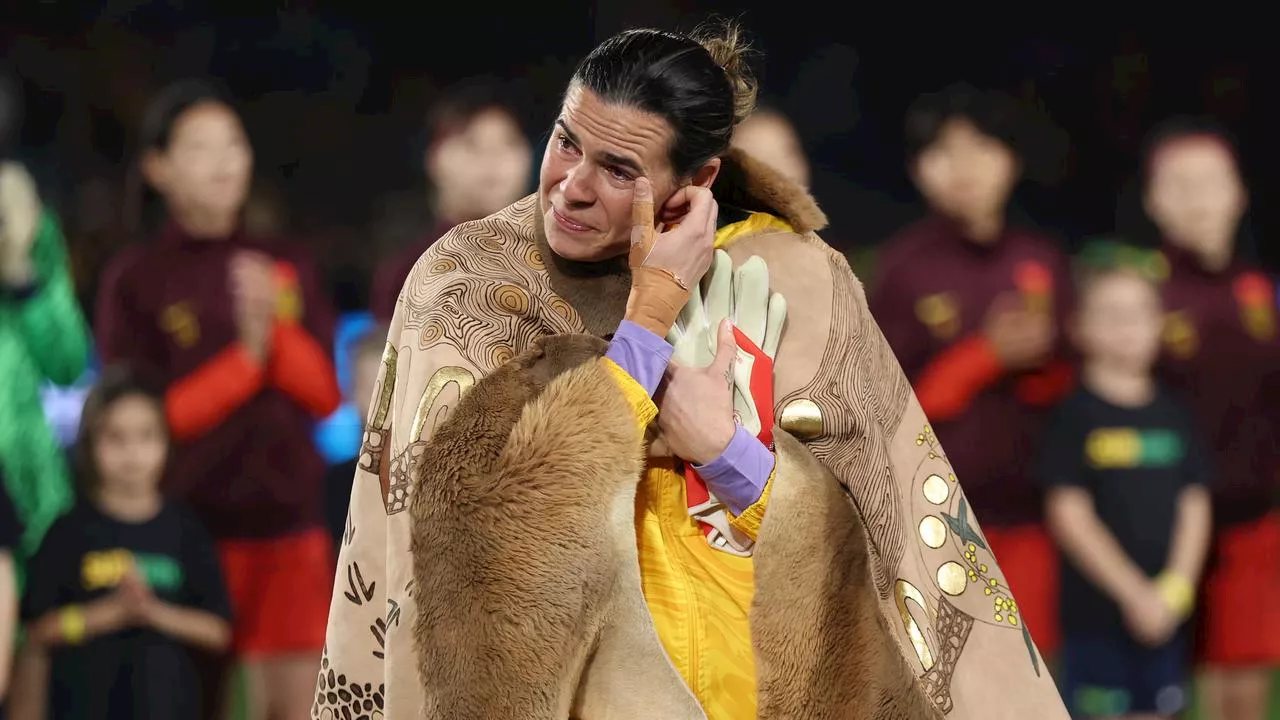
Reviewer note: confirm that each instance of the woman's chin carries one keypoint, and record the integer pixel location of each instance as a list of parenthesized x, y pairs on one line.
[(575, 247)]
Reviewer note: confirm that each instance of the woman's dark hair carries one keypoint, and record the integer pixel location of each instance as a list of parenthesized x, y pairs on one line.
[(991, 113), (158, 119), (699, 83), (114, 384)]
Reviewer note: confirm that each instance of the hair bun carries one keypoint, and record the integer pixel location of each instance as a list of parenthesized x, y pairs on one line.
[(730, 51)]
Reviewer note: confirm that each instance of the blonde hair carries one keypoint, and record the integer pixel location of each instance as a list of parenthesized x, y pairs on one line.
[(725, 42)]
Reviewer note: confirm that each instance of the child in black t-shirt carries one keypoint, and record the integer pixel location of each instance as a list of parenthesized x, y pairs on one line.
[(125, 582), (1128, 505)]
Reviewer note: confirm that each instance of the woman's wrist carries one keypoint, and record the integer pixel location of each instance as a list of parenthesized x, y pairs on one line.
[(656, 299)]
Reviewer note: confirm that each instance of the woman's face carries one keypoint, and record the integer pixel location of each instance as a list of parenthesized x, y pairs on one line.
[(207, 164), (483, 167), (596, 152)]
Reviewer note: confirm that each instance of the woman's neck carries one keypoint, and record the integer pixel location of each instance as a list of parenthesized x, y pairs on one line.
[(204, 224), (128, 505), (1119, 386)]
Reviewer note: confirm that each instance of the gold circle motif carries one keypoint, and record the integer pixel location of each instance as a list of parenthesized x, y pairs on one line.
[(512, 299), (442, 266), (431, 333), (952, 578), (562, 308), (500, 354), (936, 489), (933, 532), (533, 258)]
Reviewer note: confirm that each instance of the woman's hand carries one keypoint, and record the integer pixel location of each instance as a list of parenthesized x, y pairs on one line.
[(683, 249), (695, 411), (666, 264)]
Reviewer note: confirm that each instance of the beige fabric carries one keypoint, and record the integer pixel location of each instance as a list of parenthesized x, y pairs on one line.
[(483, 294)]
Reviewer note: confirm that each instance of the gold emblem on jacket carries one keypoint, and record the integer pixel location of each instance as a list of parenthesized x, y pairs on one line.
[(1259, 321), (940, 314), (179, 321), (288, 301), (1180, 335)]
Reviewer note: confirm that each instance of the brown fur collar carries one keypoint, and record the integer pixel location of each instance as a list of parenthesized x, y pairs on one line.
[(748, 184)]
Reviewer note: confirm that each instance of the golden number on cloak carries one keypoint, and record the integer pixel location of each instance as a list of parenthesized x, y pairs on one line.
[(450, 374), (384, 392), (905, 592)]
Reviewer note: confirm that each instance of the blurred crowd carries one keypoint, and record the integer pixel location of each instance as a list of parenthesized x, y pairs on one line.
[(1114, 416)]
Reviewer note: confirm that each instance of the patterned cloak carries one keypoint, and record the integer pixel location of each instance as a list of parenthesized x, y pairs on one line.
[(876, 594)]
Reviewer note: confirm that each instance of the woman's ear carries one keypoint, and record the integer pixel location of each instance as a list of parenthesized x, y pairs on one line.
[(707, 173), (676, 206), (154, 169)]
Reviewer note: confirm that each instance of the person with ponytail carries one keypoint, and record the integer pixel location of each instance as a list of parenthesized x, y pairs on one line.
[(572, 498), (238, 328)]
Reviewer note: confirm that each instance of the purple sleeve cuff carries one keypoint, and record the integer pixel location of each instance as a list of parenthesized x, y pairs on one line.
[(739, 475), (641, 353)]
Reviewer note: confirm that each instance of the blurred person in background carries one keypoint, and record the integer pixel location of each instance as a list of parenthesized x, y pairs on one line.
[(366, 362), (1127, 481), (239, 329), (1222, 350), (478, 583), (768, 136), (477, 162), (10, 546), (127, 581), (974, 308), (43, 337)]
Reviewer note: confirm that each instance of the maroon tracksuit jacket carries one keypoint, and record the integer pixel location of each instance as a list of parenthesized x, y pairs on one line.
[(243, 456), (1222, 351), (931, 300)]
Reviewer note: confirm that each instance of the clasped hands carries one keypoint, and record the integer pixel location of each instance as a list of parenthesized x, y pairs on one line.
[(253, 294), (720, 376)]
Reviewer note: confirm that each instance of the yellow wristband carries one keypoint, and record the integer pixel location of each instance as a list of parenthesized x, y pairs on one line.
[(1177, 592), (71, 622)]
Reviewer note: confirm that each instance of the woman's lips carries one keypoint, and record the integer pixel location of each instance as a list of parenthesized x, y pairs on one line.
[(570, 225)]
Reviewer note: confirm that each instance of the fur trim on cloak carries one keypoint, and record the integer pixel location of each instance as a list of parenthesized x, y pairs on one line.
[(528, 584), (748, 184)]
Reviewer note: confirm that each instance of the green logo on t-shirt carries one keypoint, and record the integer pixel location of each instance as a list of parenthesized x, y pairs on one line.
[(160, 571), (106, 568), (1133, 448)]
